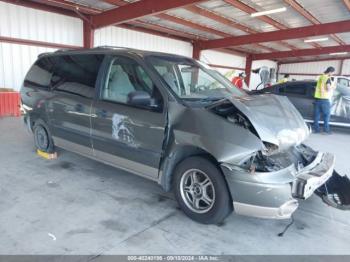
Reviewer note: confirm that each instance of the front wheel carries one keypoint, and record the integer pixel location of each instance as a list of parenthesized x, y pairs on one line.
[(201, 191)]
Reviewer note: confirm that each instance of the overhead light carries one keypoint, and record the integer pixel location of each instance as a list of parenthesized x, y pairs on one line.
[(339, 53), (268, 12), (316, 40)]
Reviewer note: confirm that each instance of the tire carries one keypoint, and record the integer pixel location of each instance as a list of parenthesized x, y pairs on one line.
[(197, 181), (42, 137)]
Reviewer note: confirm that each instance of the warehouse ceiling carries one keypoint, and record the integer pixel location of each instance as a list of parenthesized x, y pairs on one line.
[(205, 21)]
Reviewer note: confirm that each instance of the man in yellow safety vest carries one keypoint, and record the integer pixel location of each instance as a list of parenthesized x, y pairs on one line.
[(322, 102)]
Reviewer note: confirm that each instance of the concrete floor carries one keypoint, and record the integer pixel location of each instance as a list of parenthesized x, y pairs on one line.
[(73, 205)]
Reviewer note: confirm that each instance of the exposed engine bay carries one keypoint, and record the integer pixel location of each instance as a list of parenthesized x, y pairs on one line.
[(335, 192), (269, 159), (299, 156)]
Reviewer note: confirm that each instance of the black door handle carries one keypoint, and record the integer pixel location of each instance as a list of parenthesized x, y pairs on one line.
[(79, 107)]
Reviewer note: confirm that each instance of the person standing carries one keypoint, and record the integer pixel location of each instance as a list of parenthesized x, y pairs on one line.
[(322, 102), (238, 80), (285, 79)]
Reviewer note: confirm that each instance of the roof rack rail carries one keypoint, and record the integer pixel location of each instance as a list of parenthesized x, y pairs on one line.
[(112, 47), (57, 51), (64, 49), (43, 54)]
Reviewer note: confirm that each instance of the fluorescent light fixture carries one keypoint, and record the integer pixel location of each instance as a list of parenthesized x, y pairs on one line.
[(268, 12), (339, 53), (316, 40)]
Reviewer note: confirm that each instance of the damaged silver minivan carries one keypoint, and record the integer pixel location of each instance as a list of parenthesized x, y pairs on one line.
[(174, 120)]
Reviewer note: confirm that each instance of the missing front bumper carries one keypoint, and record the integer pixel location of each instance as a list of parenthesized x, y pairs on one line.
[(313, 176), (273, 195), (282, 212)]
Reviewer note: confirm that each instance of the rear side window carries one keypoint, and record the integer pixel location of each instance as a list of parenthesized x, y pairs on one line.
[(39, 75), (76, 74), (293, 89)]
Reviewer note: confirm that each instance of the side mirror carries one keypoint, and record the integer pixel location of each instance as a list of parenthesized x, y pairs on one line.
[(142, 99)]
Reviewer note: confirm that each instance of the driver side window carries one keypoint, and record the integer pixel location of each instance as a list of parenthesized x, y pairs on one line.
[(124, 77)]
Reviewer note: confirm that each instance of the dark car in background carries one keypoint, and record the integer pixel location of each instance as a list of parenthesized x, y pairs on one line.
[(301, 94)]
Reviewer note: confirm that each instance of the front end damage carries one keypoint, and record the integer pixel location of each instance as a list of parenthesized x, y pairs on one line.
[(270, 181), (270, 186)]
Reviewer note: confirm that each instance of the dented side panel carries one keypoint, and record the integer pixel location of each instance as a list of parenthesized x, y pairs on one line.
[(201, 128), (199, 131)]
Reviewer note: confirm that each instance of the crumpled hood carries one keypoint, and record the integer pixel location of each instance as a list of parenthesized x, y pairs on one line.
[(274, 118)]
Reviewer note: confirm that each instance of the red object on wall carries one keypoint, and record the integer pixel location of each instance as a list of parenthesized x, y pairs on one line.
[(10, 104)]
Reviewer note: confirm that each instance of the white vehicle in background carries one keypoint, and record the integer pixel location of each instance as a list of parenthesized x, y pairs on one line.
[(341, 82)]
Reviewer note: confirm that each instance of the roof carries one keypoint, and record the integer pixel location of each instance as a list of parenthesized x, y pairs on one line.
[(108, 50), (221, 19)]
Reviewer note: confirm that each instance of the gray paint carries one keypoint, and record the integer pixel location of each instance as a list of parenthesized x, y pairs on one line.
[(153, 143)]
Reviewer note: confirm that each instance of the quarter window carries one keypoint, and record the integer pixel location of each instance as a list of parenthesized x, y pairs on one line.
[(40, 73)]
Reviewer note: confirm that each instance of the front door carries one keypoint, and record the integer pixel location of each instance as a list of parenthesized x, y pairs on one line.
[(123, 135)]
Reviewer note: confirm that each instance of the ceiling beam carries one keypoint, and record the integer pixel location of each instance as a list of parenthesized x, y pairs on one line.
[(303, 52), (307, 15), (71, 6), (20, 41), (249, 10), (218, 18), (204, 28), (161, 30), (292, 33), (192, 25), (184, 22), (136, 10), (155, 29)]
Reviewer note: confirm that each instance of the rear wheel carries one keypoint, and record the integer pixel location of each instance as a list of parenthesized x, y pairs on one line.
[(42, 137), (201, 191)]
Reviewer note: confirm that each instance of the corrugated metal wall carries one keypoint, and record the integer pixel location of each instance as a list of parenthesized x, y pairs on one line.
[(313, 68), (224, 59), (116, 36), (30, 24), (27, 23), (309, 67), (220, 58)]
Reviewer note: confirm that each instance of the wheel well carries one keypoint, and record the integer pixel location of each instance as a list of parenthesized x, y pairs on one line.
[(33, 118), (174, 158)]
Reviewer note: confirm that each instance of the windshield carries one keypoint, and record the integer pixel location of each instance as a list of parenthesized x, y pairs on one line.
[(192, 80)]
